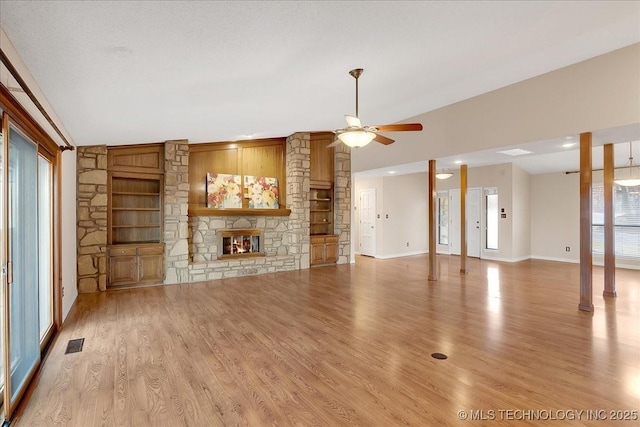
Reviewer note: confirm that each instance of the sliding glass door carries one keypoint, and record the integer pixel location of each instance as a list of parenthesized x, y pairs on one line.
[(29, 256), (22, 257)]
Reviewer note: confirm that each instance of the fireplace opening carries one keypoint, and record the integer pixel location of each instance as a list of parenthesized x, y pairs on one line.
[(240, 243)]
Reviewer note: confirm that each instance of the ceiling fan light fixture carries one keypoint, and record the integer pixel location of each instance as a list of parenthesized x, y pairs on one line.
[(444, 175), (628, 176), (356, 138)]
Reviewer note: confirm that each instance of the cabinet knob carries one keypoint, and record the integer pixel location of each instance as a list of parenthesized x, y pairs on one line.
[(121, 252)]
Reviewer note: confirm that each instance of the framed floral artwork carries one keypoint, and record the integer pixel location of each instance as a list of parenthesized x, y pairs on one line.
[(262, 192), (223, 190)]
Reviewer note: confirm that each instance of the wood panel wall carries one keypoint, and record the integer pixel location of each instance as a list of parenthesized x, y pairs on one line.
[(262, 157)]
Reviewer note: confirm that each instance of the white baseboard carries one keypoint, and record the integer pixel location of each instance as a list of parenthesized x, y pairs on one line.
[(550, 258), (401, 254), (486, 258)]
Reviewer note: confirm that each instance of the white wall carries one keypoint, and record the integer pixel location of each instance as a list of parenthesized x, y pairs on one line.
[(68, 227), (401, 214), (521, 207), (555, 216), (404, 215), (563, 102)]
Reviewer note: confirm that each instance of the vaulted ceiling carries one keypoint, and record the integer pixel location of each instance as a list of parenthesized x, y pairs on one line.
[(138, 71)]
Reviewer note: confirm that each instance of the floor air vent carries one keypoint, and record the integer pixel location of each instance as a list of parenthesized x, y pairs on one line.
[(74, 346)]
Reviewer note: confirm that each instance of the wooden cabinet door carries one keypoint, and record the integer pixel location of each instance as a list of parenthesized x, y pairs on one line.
[(151, 268), (321, 157), (317, 251), (122, 270), (145, 158), (331, 249)]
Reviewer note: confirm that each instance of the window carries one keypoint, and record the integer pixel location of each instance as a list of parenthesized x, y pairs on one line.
[(443, 218), (492, 215), (626, 220)]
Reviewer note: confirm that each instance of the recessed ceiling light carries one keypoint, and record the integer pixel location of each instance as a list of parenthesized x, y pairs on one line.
[(392, 171), (457, 162), (568, 144), (515, 152), (248, 135), (568, 137), (120, 51)]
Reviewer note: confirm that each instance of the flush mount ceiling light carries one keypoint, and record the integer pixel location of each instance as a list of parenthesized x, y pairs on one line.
[(444, 175), (629, 175)]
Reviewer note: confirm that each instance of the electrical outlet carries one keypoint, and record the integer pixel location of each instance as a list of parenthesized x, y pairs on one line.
[(567, 248)]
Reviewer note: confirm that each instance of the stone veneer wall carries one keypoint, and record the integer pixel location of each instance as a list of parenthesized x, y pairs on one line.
[(191, 243), (91, 208), (298, 163), (286, 239), (176, 206), (342, 201)]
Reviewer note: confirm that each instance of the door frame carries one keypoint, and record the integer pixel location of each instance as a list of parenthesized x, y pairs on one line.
[(12, 113), (470, 226)]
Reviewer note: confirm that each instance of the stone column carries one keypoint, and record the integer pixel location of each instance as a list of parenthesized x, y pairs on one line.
[(176, 207), (91, 205), (298, 163), (342, 202)]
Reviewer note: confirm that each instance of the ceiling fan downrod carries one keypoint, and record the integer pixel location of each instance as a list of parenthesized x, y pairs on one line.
[(355, 73)]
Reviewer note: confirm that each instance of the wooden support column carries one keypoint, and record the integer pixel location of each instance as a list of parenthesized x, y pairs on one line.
[(609, 232), (586, 267), (463, 219), (433, 275)]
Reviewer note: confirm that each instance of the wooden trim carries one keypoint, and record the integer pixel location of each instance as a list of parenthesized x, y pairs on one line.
[(463, 219), (226, 145), (609, 231), (433, 197), (4, 244), (57, 289), (27, 124), (202, 211), (36, 102), (586, 256)]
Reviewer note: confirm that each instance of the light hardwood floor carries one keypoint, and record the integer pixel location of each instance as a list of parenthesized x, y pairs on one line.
[(349, 345)]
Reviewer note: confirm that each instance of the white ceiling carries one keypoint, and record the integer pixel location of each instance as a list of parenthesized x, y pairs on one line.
[(138, 71)]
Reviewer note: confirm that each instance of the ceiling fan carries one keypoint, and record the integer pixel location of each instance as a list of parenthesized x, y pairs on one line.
[(355, 135)]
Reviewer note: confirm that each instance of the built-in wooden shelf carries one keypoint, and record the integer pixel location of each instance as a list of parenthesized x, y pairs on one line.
[(202, 211), (133, 193), (136, 226)]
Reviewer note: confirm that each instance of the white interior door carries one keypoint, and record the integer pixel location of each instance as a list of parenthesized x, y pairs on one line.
[(454, 221), (474, 215), (368, 222)]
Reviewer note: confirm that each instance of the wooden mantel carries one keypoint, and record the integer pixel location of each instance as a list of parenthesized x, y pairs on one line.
[(204, 211)]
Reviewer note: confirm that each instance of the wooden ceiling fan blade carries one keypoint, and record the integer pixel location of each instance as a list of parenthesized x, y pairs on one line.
[(401, 127), (353, 122), (383, 139)]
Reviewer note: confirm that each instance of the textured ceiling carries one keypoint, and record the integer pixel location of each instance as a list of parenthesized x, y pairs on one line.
[(138, 71)]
